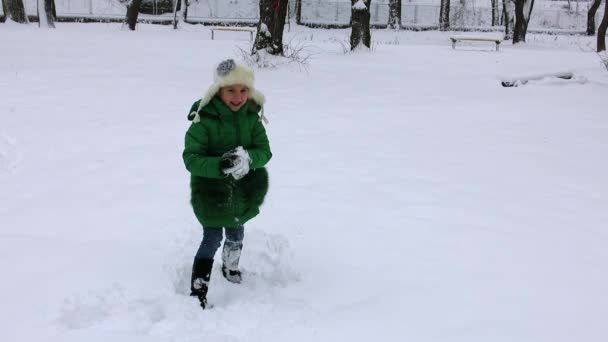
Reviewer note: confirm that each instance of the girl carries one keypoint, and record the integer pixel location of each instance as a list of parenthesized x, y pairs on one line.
[(226, 149)]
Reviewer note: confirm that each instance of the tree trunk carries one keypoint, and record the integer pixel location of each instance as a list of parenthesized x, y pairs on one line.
[(270, 28), (394, 14), (591, 17), (4, 8), (360, 16), (45, 13), (495, 13), (518, 30), (444, 15), (132, 13), (177, 15), (601, 31), (299, 12), (523, 9), (14, 10), (185, 5)]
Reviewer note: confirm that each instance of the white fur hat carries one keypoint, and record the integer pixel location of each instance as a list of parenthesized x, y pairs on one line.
[(228, 72)]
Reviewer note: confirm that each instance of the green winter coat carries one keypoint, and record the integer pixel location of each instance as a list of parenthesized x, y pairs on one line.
[(219, 200)]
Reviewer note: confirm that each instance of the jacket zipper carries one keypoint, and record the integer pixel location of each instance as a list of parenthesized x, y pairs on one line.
[(237, 126)]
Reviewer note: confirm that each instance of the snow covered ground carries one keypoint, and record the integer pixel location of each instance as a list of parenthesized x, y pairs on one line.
[(412, 197)]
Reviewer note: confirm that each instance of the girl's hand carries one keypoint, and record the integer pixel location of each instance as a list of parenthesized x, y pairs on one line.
[(236, 163)]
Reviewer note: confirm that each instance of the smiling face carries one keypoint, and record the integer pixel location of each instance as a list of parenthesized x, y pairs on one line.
[(234, 96)]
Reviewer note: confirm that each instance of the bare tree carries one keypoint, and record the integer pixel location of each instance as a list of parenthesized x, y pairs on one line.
[(132, 13), (507, 11), (180, 11), (495, 13), (591, 17), (186, 4), (14, 10), (601, 30), (299, 12), (360, 33), (46, 16), (444, 15), (394, 14), (523, 9), (270, 28)]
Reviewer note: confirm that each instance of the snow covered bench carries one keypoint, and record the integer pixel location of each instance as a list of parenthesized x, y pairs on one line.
[(238, 29), (456, 39)]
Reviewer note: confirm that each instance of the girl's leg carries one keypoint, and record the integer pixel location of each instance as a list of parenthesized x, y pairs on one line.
[(234, 236), (203, 263), (212, 239), (231, 253)]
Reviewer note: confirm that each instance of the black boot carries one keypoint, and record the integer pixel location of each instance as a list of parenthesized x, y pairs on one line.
[(199, 283), (231, 254)]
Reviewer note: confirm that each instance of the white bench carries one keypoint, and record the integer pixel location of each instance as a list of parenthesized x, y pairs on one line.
[(237, 29), (456, 39)]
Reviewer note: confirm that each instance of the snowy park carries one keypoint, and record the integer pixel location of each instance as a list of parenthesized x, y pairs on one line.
[(412, 197)]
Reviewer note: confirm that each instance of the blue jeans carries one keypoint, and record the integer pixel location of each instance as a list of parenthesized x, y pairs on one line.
[(212, 239)]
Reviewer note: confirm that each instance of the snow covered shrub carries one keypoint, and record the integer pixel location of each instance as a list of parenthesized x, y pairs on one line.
[(294, 52)]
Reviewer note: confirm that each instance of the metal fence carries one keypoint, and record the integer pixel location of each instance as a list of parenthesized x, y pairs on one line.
[(550, 15), (467, 14), (225, 10)]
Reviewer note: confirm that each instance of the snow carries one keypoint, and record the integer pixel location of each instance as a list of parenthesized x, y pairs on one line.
[(264, 30), (241, 167), (412, 197), (360, 6)]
